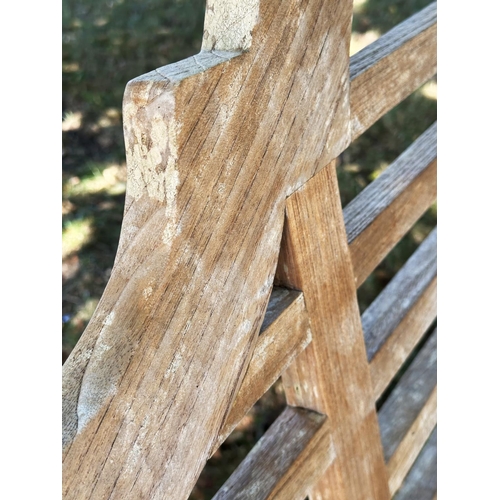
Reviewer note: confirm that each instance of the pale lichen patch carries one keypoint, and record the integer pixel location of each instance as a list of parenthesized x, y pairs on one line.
[(244, 329), (152, 151), (109, 318), (106, 365), (356, 125), (229, 24), (152, 159)]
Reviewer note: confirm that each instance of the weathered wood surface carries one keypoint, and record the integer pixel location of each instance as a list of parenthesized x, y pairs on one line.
[(408, 398), (287, 460), (409, 448), (387, 311), (386, 363), (399, 314), (331, 376), (214, 144), (408, 416), (388, 207), (285, 333), (421, 481), (392, 67)]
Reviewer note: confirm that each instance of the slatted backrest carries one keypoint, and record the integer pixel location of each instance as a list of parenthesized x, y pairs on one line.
[(229, 153)]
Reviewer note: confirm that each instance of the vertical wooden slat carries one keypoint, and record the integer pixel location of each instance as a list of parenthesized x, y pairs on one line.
[(332, 374)]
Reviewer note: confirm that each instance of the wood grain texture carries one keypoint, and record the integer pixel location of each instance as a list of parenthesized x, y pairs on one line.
[(396, 349), (388, 207), (396, 320), (287, 460), (411, 445), (387, 311), (360, 213), (421, 481), (214, 145), (392, 67), (285, 333), (407, 401), (331, 376)]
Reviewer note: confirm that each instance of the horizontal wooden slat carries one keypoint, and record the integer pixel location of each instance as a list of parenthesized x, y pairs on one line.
[(287, 460), (393, 303), (403, 340), (421, 481), (409, 414), (388, 207), (391, 68), (404, 457), (397, 318), (285, 333)]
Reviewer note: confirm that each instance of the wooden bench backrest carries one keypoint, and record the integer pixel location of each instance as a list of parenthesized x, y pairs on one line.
[(232, 188)]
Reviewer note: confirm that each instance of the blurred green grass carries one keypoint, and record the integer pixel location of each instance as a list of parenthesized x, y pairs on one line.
[(107, 43)]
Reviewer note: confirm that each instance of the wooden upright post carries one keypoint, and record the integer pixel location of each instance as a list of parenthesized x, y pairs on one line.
[(332, 375)]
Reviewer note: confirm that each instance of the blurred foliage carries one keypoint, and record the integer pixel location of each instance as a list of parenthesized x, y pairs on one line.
[(382, 15), (108, 42)]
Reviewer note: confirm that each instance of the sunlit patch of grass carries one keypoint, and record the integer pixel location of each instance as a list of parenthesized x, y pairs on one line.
[(101, 22), (376, 173), (76, 233), (110, 118), (351, 168), (70, 67), (67, 207), (357, 5), (434, 209), (72, 121), (361, 40), (86, 311), (110, 179), (429, 90), (420, 231)]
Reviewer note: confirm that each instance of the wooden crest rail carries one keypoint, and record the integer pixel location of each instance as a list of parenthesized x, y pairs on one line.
[(232, 210)]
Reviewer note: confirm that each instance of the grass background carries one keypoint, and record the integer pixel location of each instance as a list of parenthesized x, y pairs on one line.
[(107, 43)]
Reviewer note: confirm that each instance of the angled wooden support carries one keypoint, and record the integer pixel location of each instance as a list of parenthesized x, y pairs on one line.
[(285, 333), (290, 457), (215, 144), (332, 375)]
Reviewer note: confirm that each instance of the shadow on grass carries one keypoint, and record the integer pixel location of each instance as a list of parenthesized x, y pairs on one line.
[(91, 229)]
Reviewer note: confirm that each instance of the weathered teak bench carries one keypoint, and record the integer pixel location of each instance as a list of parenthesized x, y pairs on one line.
[(232, 189)]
